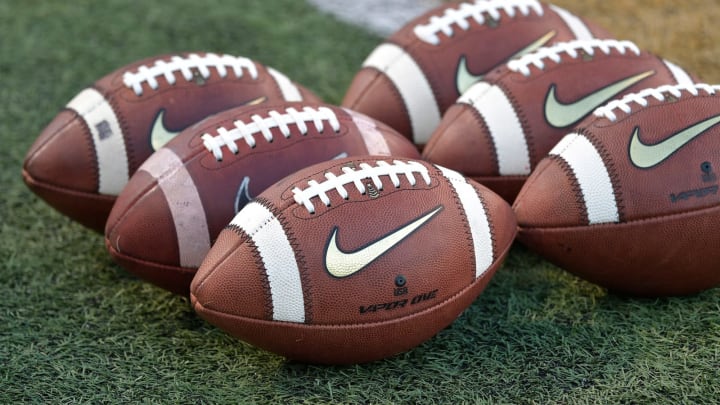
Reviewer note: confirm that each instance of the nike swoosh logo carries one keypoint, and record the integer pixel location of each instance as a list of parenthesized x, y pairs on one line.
[(342, 264), (243, 194), (464, 78), (242, 197), (160, 135), (646, 156), (561, 115)]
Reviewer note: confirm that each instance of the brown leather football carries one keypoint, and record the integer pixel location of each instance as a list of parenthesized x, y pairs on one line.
[(500, 129), (173, 208), (629, 200), (85, 156), (354, 260), (416, 74)]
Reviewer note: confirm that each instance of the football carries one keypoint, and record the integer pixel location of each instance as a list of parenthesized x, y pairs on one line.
[(502, 127), (85, 156), (629, 200), (354, 260), (190, 189), (417, 73)]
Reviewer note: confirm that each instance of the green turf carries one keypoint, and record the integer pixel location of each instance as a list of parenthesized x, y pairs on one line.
[(75, 327)]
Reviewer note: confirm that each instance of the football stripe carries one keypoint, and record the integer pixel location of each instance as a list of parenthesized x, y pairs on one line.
[(289, 91), (107, 137), (411, 83), (680, 75), (592, 177), (186, 208), (477, 219), (278, 260), (579, 29), (374, 141), (504, 126)]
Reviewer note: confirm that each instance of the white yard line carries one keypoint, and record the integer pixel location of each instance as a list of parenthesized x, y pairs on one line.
[(382, 17)]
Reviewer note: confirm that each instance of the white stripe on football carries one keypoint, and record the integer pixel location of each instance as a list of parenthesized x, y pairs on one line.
[(85, 156)]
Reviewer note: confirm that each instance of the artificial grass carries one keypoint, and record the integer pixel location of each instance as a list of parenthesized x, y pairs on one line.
[(75, 327)]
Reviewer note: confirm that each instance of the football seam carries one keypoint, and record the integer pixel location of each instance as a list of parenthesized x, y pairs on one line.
[(244, 238), (299, 258), (431, 80), (401, 102), (260, 264), (488, 139), (131, 205), (132, 166), (577, 191), (65, 191), (91, 151), (524, 122), (393, 89), (491, 223), (49, 139), (610, 167), (137, 260), (265, 282), (466, 224), (239, 232)]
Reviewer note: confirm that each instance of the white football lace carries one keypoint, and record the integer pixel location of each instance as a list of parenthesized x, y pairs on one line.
[(262, 125), (477, 10), (355, 177), (202, 64), (572, 48), (659, 93)]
